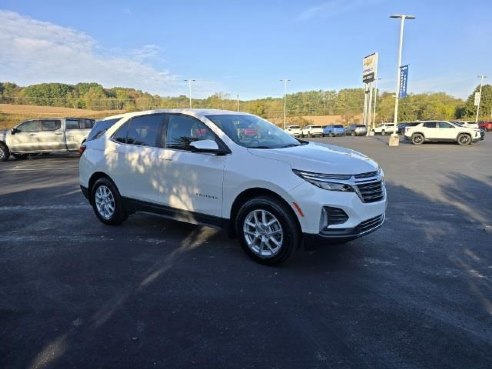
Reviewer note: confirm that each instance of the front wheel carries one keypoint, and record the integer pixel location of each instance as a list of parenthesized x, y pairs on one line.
[(417, 139), (106, 202), (4, 152), (267, 230), (464, 139)]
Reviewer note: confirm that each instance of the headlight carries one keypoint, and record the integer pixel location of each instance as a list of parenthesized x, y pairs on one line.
[(330, 182)]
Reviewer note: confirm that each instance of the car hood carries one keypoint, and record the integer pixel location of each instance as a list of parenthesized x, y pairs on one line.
[(320, 158)]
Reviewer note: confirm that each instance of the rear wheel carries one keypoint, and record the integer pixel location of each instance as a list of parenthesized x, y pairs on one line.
[(464, 139), (417, 139), (4, 152), (267, 230), (106, 202)]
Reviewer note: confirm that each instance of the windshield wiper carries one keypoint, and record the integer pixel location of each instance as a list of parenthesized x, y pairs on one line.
[(289, 145)]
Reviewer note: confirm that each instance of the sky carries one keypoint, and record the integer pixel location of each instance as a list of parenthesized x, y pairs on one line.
[(244, 47)]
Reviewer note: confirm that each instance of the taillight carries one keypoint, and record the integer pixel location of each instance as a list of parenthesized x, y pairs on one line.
[(81, 149)]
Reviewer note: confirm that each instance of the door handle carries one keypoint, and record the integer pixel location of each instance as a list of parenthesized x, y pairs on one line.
[(58, 133)]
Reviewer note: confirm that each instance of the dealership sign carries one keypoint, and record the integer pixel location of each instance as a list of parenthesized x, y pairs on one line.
[(370, 68), (477, 99)]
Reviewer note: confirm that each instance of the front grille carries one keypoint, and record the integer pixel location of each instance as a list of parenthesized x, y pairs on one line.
[(370, 224), (371, 191)]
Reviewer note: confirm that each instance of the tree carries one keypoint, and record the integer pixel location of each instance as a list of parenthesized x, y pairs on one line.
[(470, 109)]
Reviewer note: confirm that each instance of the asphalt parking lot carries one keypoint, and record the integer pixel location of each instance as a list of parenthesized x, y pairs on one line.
[(154, 293)]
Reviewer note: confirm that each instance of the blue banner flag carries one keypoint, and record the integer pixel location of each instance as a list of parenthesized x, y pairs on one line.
[(403, 81)]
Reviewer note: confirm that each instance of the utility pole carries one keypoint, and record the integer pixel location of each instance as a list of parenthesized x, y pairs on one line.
[(189, 88)]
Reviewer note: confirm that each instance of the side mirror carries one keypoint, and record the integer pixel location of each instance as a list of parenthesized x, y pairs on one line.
[(209, 146), (14, 131)]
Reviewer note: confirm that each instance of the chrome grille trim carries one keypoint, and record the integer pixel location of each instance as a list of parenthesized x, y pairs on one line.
[(371, 192)]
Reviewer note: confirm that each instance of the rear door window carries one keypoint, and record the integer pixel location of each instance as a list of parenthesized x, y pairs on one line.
[(144, 130), (50, 125)]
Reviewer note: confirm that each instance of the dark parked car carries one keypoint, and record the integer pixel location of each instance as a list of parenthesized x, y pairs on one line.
[(402, 126), (356, 130)]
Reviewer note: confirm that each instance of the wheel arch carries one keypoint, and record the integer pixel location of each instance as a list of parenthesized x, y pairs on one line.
[(95, 176), (251, 193)]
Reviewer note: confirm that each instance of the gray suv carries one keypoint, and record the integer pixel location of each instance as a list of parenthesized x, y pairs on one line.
[(356, 130)]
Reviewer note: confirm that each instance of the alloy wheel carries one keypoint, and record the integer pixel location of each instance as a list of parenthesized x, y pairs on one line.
[(263, 233), (105, 202)]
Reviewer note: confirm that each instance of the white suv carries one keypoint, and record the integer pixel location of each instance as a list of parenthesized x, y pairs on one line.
[(311, 131), (236, 171), (441, 131), (294, 130), (384, 128)]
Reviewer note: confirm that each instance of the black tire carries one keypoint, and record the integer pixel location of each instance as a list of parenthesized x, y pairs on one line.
[(418, 138), (464, 139), (283, 232), (4, 152), (20, 156), (107, 203)]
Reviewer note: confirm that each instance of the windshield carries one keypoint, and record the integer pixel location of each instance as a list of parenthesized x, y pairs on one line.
[(253, 132)]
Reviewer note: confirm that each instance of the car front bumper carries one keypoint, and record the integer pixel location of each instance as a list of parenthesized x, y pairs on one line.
[(312, 240)]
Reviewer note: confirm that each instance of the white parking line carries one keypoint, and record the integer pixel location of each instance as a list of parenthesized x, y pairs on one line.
[(44, 207)]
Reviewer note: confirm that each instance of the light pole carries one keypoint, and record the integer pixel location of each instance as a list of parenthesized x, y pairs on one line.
[(285, 98), (479, 96), (394, 141), (189, 87), (373, 123)]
